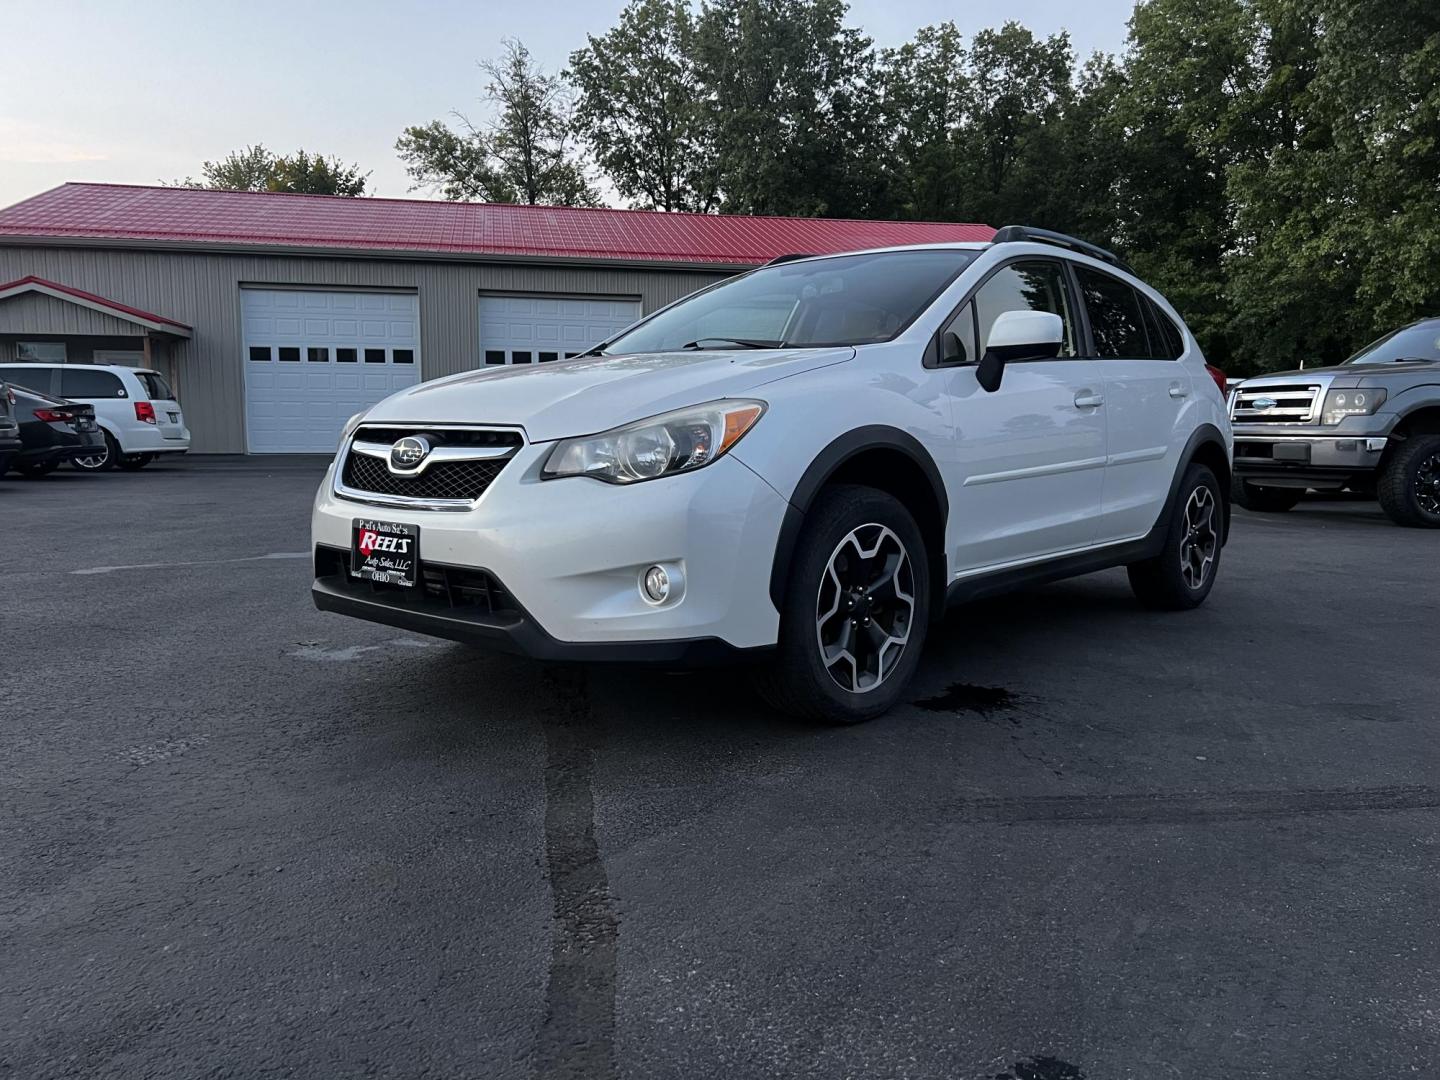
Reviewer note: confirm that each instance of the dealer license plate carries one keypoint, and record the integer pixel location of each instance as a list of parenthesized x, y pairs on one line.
[(385, 551)]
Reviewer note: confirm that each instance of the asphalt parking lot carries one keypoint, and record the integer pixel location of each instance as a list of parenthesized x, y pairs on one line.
[(243, 838)]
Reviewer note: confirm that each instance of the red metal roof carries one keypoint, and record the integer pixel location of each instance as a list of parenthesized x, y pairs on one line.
[(31, 283), (115, 212)]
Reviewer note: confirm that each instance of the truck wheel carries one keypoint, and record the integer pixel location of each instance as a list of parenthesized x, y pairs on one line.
[(1266, 500), (1181, 576), (101, 461), (1409, 488), (857, 605)]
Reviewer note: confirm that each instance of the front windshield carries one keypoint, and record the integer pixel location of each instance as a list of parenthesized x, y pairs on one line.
[(1418, 342), (848, 300)]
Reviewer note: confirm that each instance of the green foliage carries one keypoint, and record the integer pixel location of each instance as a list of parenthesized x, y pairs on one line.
[(522, 154), (1272, 166), (640, 109), (257, 169)]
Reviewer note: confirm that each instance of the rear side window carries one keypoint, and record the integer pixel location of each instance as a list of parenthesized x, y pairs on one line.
[(1166, 342), (83, 382), (1116, 321), (156, 388), (41, 380)]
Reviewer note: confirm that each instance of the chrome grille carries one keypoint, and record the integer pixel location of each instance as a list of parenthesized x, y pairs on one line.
[(463, 463), (1294, 404)]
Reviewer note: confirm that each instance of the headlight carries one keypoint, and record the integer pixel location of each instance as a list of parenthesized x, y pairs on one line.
[(672, 442), (1355, 402)]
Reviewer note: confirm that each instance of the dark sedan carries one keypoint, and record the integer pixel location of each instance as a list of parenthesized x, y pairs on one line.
[(53, 431)]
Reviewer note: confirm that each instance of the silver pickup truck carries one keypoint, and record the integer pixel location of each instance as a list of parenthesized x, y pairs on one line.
[(1371, 424)]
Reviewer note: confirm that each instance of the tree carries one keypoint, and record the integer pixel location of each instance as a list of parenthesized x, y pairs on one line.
[(641, 111), (524, 151), (257, 169), (792, 107)]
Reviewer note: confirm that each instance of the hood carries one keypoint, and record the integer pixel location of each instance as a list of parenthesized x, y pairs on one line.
[(1359, 371), (594, 393)]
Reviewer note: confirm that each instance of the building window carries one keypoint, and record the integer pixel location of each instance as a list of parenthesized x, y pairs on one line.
[(345, 356), (403, 356), (289, 354), (318, 354), (260, 353), (520, 358), (494, 356), (546, 357), (374, 356), (40, 352), (571, 355)]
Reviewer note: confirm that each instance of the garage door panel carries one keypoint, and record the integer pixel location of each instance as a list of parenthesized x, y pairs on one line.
[(300, 407), (551, 324)]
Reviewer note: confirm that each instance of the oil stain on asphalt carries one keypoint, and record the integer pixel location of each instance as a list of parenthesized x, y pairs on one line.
[(964, 697), (577, 1038)]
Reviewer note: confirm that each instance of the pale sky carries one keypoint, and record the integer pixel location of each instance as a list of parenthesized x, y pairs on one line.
[(139, 91)]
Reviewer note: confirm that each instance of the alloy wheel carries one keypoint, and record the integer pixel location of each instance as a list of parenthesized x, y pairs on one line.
[(92, 462), (1427, 486), (865, 608), (1201, 540)]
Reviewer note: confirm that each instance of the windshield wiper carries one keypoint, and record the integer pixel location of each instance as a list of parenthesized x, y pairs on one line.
[(699, 343)]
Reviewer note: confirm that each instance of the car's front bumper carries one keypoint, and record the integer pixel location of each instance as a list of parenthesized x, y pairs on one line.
[(1316, 459), (571, 553)]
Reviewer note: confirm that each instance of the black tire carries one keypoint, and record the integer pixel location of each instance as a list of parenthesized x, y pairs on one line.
[(32, 471), (844, 524), (99, 463), (134, 462), (1182, 575), (1266, 500), (1409, 488)]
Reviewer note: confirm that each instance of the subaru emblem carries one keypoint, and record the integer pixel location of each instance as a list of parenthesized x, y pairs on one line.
[(1258, 403), (409, 452)]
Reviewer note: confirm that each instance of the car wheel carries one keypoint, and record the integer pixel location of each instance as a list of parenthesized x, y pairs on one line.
[(1409, 488), (33, 471), (102, 461), (856, 609), (134, 462), (1182, 575), (1266, 500)]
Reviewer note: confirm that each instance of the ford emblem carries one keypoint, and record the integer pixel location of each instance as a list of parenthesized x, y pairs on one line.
[(1258, 403), (409, 451)]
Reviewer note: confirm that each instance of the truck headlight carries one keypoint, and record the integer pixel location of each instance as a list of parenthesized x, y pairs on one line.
[(673, 442), (1359, 401)]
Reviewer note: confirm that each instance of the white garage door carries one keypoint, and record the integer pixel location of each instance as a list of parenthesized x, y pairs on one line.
[(314, 359), (533, 330)]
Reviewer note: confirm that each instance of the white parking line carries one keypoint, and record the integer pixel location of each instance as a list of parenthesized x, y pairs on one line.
[(198, 562)]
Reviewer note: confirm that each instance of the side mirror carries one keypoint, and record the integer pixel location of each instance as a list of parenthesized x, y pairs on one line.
[(1018, 335)]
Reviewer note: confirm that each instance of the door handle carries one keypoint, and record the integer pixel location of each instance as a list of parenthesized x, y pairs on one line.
[(1087, 399), (1177, 390)]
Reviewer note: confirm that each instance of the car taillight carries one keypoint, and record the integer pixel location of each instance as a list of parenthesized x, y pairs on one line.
[(1218, 376), (145, 412), (54, 416), (10, 395)]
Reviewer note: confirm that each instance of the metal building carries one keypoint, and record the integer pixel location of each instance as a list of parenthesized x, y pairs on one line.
[(279, 316)]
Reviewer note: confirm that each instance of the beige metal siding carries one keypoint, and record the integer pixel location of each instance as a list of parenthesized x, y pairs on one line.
[(203, 291), (38, 315)]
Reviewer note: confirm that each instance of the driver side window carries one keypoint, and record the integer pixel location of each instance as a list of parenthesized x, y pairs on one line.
[(1032, 285)]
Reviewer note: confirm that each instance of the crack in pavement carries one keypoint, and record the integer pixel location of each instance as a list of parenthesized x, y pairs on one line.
[(577, 1038)]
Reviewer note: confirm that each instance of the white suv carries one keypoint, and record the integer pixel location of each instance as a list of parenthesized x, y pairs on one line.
[(805, 464), (135, 407)]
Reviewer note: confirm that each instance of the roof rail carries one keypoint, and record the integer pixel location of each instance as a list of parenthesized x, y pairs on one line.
[(791, 257), (1014, 234)]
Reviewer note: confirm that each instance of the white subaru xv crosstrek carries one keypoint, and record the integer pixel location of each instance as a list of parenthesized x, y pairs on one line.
[(805, 465)]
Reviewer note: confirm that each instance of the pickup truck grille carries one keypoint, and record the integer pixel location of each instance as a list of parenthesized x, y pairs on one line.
[(1293, 404)]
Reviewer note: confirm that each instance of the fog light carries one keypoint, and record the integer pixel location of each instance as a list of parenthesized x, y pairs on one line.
[(657, 584)]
